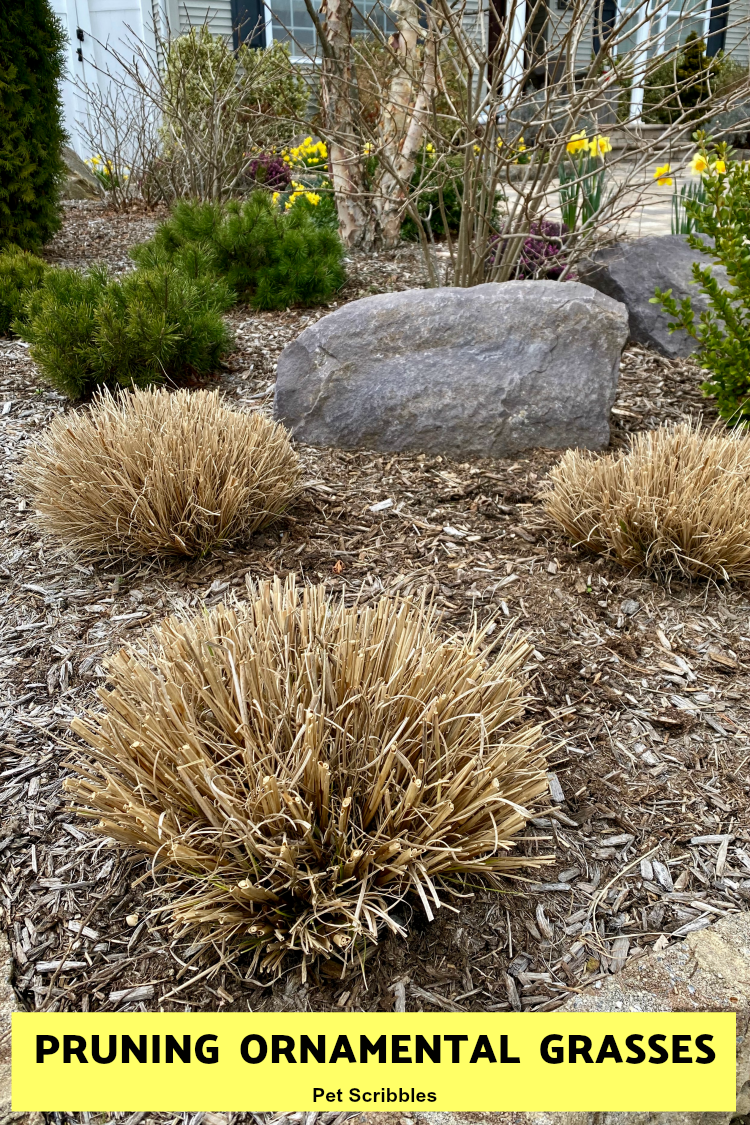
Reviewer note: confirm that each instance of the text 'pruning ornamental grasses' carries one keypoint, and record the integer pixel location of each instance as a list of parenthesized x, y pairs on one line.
[(676, 505), (295, 767), (153, 475)]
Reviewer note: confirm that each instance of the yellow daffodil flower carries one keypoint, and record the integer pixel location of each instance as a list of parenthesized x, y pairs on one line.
[(720, 167), (477, 150), (662, 177), (577, 142), (521, 146), (699, 164), (599, 145), (367, 148), (312, 197)]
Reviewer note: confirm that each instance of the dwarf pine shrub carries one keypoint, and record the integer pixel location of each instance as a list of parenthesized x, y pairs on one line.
[(32, 61), (295, 767), (269, 258), (158, 474), (20, 274), (160, 322)]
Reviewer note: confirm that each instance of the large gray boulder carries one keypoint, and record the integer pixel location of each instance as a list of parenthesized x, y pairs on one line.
[(482, 372), (632, 271), (80, 183)]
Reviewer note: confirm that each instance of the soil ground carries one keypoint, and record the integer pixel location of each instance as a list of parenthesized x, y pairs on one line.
[(643, 691)]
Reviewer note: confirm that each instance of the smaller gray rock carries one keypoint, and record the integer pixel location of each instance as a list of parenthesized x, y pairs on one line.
[(708, 972), (632, 271), (630, 607), (7, 1007), (81, 183)]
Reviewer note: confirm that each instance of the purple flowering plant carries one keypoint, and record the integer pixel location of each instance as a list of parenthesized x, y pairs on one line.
[(542, 254), (270, 170)]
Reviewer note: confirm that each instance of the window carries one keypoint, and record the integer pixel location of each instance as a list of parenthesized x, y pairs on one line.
[(671, 23), (676, 20), (290, 22)]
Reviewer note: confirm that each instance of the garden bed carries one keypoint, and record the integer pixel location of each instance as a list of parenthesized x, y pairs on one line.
[(644, 693)]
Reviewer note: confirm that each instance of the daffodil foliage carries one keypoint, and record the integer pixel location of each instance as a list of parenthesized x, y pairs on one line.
[(720, 211), (582, 176)]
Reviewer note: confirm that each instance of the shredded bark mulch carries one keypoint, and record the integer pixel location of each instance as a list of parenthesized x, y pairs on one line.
[(643, 690)]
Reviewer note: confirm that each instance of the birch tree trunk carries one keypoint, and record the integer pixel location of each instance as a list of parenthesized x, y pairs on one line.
[(370, 219), (339, 102), (404, 117)]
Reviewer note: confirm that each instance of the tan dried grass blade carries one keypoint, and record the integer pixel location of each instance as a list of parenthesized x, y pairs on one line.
[(676, 504), (301, 765), (154, 473)]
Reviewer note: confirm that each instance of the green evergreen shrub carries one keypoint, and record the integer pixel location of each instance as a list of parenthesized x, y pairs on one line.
[(268, 258), (722, 330), (32, 54), (447, 183), (20, 274), (87, 329), (680, 85)]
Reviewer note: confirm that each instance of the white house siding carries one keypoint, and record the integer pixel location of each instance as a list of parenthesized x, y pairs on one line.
[(217, 15), (736, 38), (106, 25)]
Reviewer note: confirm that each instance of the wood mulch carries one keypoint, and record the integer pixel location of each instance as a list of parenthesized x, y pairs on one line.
[(643, 690)]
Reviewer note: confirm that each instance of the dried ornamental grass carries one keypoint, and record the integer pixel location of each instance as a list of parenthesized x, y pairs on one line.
[(151, 473), (676, 504), (299, 766)]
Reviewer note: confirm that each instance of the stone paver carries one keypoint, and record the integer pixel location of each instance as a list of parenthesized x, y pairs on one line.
[(7, 1006)]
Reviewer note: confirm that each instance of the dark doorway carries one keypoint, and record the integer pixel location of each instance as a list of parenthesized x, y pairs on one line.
[(717, 26), (605, 19), (248, 23), (496, 24)]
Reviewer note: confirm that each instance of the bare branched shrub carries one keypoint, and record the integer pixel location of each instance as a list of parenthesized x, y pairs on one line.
[(159, 474), (676, 505), (184, 120), (298, 766), (495, 94)]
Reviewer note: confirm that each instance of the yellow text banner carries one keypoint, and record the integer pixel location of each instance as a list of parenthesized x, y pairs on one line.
[(379, 1061)]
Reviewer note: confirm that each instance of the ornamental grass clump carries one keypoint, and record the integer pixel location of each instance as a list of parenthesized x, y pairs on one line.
[(295, 767), (154, 474), (676, 505)]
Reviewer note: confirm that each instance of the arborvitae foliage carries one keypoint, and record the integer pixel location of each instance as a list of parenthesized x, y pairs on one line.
[(692, 72), (681, 84), (87, 330), (269, 258), (32, 58), (20, 274)]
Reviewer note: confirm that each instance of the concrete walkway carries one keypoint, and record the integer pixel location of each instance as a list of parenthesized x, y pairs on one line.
[(653, 213)]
